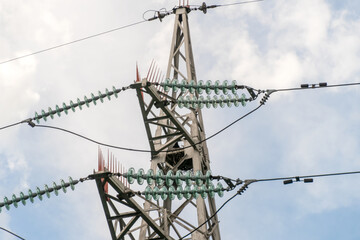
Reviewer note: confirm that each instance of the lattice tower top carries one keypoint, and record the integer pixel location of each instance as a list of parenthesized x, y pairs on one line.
[(187, 3)]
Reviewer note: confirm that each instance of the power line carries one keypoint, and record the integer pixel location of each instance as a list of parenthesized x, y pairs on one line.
[(249, 181), (210, 217), (14, 124), (12, 233), (239, 192), (237, 120), (314, 86), (269, 92), (143, 150), (92, 140), (158, 14), (11, 125), (307, 176), (162, 13), (239, 3), (72, 42)]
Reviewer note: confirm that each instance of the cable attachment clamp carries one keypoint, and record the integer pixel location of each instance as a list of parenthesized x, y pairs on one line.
[(266, 96)]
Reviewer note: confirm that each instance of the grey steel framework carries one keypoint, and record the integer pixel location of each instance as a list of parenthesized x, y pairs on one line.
[(173, 135)]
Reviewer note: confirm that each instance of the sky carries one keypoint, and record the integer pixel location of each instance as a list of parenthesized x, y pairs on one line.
[(266, 45)]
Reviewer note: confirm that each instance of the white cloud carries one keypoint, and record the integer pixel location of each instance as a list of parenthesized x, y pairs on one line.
[(53, 29), (299, 24), (267, 45)]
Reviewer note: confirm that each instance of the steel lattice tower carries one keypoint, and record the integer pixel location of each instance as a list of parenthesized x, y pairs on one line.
[(175, 139)]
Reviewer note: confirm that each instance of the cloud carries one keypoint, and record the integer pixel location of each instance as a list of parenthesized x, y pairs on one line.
[(270, 45), (296, 42)]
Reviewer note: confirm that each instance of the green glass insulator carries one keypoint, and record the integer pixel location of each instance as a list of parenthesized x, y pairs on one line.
[(208, 102), (14, 200), (203, 192), (166, 85), (171, 193), (174, 86), (179, 192), (108, 94), (31, 197), (236, 100), (155, 193), (233, 87), (200, 87), (183, 87), (181, 102), (148, 192), (87, 101), (47, 192), (79, 103), (217, 87), (150, 177), (215, 102), (72, 106), (219, 189), (169, 178), (187, 102), (178, 179), (93, 98), (58, 112), (38, 192), (55, 187), (187, 192), (65, 108), (51, 114), (6, 203), (225, 87), (140, 176), (72, 185), (115, 91), (43, 115), (22, 198), (37, 117), (192, 87), (101, 97), (229, 100), (195, 192), (211, 190), (201, 102), (163, 193), (208, 177), (188, 180), (243, 100), (194, 102), (63, 187), (159, 177), (199, 178), (222, 101), (208, 86), (130, 175)]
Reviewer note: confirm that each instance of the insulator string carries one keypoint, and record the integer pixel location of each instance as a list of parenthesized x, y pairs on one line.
[(169, 178), (31, 195), (77, 104), (188, 192)]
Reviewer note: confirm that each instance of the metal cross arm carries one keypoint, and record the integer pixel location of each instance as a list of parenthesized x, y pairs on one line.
[(172, 125), (123, 196)]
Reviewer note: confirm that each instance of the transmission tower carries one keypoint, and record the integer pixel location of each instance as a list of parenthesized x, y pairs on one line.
[(175, 138)]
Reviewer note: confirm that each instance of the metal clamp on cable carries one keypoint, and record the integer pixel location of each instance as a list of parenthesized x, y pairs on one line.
[(30, 122)]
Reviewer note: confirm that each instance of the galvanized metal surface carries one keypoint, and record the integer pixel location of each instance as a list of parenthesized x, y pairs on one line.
[(174, 139)]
